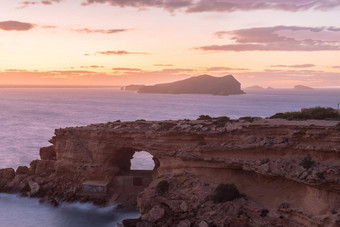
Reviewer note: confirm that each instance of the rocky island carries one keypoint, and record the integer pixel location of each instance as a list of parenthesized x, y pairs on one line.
[(205, 84), (302, 87), (208, 172), (132, 87)]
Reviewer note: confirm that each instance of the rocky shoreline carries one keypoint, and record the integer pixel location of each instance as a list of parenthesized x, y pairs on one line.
[(287, 173)]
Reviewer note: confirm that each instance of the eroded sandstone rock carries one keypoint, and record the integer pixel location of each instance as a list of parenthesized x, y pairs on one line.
[(262, 158)]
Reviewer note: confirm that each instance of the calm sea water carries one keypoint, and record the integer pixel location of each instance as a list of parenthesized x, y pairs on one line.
[(28, 117)]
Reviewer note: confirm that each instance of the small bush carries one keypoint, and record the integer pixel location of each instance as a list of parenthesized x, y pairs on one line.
[(249, 118), (225, 192), (162, 187), (264, 212), (319, 113), (320, 175), (204, 117), (307, 162)]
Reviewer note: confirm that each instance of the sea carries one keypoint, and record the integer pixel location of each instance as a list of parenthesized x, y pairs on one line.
[(29, 116)]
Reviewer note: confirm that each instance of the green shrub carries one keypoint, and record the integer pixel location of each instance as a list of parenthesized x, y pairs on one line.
[(162, 187), (225, 192), (319, 113), (249, 118), (307, 162), (204, 117), (220, 121), (320, 175)]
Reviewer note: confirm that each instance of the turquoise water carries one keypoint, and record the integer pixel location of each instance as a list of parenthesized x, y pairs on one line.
[(28, 117)]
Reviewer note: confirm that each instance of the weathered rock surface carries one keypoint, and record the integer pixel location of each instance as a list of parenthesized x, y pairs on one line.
[(47, 153), (264, 159)]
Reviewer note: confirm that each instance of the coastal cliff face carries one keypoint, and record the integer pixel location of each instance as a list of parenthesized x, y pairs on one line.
[(288, 172)]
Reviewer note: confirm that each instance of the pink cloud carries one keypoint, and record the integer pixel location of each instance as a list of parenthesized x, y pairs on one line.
[(277, 39), (224, 5), (15, 26), (103, 31), (25, 4)]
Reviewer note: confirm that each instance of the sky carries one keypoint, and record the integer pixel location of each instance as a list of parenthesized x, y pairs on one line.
[(277, 43)]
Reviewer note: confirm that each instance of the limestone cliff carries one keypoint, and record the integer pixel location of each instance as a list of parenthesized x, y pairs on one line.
[(263, 158)]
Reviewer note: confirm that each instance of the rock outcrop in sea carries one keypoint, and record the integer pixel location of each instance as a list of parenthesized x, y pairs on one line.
[(205, 84), (302, 87), (274, 172)]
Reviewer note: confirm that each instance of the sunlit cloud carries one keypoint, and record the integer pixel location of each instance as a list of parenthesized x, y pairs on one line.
[(117, 52), (92, 67), (294, 66), (163, 65), (279, 38), (127, 69), (218, 69), (267, 77), (15, 26)]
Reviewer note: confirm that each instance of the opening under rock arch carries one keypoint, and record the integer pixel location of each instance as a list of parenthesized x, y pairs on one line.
[(142, 160)]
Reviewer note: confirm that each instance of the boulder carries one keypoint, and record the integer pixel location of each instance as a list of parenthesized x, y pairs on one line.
[(33, 166), (184, 206), (155, 214), (130, 222), (184, 223), (50, 201), (47, 153), (22, 170), (44, 167), (7, 174), (34, 188), (203, 224), (144, 224), (19, 183)]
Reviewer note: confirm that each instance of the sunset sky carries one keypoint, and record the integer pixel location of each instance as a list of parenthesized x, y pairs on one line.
[(277, 43)]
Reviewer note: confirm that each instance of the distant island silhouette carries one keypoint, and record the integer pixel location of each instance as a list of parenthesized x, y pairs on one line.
[(204, 84), (302, 87), (132, 87), (255, 87)]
